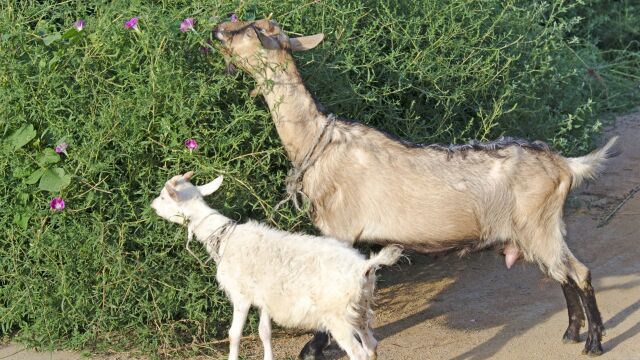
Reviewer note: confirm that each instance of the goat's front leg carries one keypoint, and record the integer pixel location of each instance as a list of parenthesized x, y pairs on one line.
[(240, 311), (264, 329)]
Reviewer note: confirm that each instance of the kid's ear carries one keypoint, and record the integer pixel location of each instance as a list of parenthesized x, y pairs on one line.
[(210, 188), (172, 192)]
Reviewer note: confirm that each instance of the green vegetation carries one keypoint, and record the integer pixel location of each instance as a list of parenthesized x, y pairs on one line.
[(107, 273)]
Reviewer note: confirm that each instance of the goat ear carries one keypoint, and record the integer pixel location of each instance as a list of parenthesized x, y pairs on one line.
[(172, 192), (269, 42), (210, 188), (306, 42)]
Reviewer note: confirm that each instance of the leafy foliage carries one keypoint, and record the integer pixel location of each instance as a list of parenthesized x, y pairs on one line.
[(106, 271)]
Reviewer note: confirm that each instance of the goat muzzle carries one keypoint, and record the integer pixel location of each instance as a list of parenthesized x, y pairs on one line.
[(229, 67)]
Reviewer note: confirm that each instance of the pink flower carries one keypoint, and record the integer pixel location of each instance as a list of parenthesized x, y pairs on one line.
[(132, 23), (191, 144), (79, 25), (233, 17), (61, 148), (187, 24), (57, 204)]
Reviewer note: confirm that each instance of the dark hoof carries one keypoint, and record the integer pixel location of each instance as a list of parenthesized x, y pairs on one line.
[(595, 350), (571, 337), (308, 353), (566, 340)]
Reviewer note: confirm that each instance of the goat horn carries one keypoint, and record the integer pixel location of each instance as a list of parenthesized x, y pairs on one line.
[(188, 175)]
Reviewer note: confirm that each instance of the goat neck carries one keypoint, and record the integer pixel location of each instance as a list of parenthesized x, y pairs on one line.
[(293, 110), (204, 220)]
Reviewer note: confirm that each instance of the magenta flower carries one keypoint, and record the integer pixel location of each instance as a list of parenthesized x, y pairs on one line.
[(61, 148), (132, 24), (57, 204), (191, 144), (79, 25), (187, 24), (233, 17)]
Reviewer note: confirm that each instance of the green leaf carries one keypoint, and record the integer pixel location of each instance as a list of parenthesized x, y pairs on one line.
[(21, 220), (71, 33), (250, 13), (49, 39), (48, 156), (35, 176), (20, 172), (21, 137), (54, 180), (23, 198)]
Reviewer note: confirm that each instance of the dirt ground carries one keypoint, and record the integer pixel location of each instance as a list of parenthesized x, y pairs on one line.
[(446, 307)]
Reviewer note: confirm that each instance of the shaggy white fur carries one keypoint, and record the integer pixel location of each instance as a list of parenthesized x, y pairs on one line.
[(302, 281)]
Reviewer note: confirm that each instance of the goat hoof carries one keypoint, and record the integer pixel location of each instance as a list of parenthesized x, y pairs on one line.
[(308, 353), (593, 350), (311, 356), (571, 337), (566, 340)]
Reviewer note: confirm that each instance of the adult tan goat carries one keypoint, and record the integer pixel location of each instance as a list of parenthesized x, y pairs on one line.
[(364, 185)]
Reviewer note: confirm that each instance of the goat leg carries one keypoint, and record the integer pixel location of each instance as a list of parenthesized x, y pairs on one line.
[(576, 313), (593, 345), (313, 349)]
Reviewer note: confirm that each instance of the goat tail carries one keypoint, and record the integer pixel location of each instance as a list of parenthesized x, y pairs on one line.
[(360, 313), (387, 256), (590, 165)]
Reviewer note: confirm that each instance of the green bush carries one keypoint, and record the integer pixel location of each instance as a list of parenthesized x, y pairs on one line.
[(105, 271)]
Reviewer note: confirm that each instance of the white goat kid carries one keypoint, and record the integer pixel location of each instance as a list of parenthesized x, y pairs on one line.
[(302, 281)]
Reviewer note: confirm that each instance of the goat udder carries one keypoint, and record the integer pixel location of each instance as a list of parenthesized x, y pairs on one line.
[(511, 254)]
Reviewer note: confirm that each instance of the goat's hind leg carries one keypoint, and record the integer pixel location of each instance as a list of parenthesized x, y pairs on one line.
[(369, 342), (345, 336), (313, 349), (576, 280), (580, 279), (576, 313), (555, 257)]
